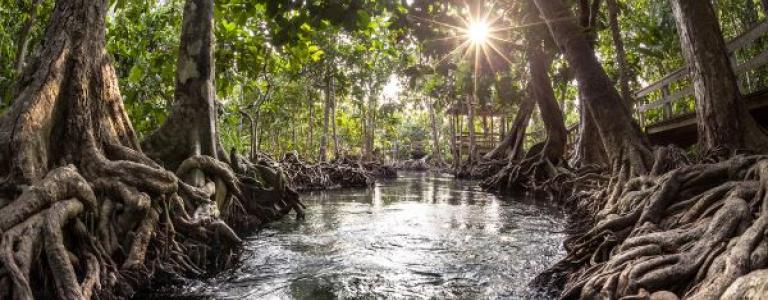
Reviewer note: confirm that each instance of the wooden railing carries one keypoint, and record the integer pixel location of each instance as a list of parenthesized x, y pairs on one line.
[(541, 134), (676, 86), (481, 142)]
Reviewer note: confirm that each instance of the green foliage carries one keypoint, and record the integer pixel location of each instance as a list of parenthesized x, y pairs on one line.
[(276, 59), (143, 38)]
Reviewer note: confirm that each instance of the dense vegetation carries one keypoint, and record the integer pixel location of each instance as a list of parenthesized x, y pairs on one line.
[(195, 120)]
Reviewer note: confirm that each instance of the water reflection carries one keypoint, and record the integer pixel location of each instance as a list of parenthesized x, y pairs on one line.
[(419, 236)]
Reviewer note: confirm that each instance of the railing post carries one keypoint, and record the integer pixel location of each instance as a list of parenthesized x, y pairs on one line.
[(640, 115), (667, 103)]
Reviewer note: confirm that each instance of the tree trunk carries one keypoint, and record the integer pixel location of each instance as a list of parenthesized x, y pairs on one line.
[(626, 145), (179, 137), (455, 155), (436, 152), (764, 4), (472, 152), (311, 125), (336, 150), (251, 133), (554, 148), (723, 118), (621, 54), (24, 37), (503, 126), (322, 156), (589, 147), (512, 146)]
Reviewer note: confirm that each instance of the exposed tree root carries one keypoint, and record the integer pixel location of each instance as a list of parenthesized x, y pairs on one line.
[(481, 169), (341, 173), (693, 232), (380, 170), (108, 231), (416, 165)]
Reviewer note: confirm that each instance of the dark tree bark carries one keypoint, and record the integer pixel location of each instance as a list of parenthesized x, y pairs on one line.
[(554, 147), (590, 149), (723, 117), (627, 147), (511, 147), (621, 54), (191, 127)]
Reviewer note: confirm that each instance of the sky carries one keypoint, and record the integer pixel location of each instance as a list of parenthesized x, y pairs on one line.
[(392, 89)]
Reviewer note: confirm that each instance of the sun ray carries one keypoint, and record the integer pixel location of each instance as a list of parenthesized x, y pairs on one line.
[(487, 56), (493, 47), (452, 53)]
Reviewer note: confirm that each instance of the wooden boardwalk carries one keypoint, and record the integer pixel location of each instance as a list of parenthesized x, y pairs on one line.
[(664, 109)]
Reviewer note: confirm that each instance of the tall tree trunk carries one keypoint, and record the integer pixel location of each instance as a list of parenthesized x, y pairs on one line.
[(322, 155), (626, 145), (554, 148), (311, 125), (371, 128), (455, 154), (436, 152), (621, 54), (251, 133), (471, 100), (723, 118), (502, 126), (336, 150), (511, 147), (590, 149), (179, 137)]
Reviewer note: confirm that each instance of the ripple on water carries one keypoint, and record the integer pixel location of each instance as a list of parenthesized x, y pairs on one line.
[(419, 236)]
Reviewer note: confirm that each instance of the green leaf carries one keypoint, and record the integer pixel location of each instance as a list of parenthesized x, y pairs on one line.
[(135, 74), (363, 18), (306, 27), (317, 55)]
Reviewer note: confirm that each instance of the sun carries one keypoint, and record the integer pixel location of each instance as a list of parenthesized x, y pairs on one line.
[(478, 32)]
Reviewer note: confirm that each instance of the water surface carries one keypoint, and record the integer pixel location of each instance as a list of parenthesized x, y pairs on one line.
[(419, 236)]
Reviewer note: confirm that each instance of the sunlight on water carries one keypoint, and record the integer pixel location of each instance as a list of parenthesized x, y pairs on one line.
[(415, 237)]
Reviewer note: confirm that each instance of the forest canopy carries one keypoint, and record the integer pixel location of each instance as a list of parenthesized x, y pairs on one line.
[(388, 61)]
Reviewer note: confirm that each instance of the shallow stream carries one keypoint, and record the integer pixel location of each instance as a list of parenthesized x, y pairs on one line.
[(418, 236)]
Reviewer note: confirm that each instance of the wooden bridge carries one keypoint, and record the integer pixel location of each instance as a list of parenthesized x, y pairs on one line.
[(665, 109)]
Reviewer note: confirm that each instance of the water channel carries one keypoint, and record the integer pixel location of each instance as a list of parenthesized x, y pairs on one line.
[(420, 236)]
